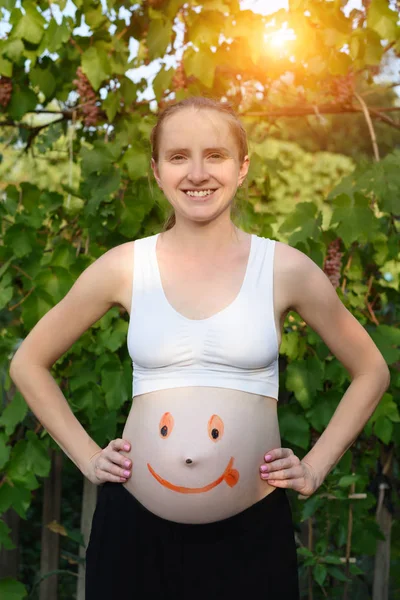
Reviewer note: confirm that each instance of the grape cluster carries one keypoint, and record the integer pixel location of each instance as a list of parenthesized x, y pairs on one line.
[(179, 80), (5, 91), (87, 106), (333, 262), (342, 88)]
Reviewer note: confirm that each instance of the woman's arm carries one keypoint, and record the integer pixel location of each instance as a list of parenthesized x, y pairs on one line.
[(313, 297), (92, 295)]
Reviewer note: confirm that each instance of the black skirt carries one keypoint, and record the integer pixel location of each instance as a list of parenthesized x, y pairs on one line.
[(134, 554)]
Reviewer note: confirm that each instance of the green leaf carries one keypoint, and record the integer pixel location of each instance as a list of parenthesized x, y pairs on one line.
[(30, 27), (137, 162), (319, 573), (111, 375), (5, 540), (6, 67), (348, 480), (383, 429), (44, 79), (337, 573), (96, 66), (158, 37), (99, 158), (56, 36), (387, 407), (305, 379), (55, 282), (321, 412), (39, 459), (162, 81), (388, 341), (11, 589), (373, 51), (294, 427), (15, 496), (4, 450), (114, 338), (293, 345), (98, 189), (137, 206), (310, 506), (112, 104), (200, 64), (23, 100), (13, 49), (382, 19), (14, 413), (354, 218), (94, 17), (6, 293), (205, 28), (303, 222)]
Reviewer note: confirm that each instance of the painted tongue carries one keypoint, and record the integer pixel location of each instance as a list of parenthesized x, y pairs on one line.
[(231, 476)]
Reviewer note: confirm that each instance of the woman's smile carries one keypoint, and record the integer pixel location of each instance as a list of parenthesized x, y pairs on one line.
[(230, 476)]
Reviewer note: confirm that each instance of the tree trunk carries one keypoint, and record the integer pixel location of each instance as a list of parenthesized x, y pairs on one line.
[(89, 500), (382, 558), (9, 559), (49, 558)]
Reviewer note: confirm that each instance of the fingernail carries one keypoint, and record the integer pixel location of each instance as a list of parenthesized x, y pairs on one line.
[(265, 475), (268, 457), (264, 468), (126, 447), (126, 473), (127, 463)]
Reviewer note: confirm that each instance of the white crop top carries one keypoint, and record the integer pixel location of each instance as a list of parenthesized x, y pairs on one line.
[(235, 348)]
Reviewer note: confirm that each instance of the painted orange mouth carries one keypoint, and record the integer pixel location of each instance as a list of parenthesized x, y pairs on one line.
[(230, 476)]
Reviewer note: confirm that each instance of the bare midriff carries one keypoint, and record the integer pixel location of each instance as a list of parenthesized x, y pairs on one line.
[(196, 451)]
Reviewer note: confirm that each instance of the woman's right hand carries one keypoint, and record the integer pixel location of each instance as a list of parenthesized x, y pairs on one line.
[(110, 464)]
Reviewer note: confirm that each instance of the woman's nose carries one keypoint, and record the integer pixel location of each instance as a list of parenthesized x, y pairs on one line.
[(197, 173)]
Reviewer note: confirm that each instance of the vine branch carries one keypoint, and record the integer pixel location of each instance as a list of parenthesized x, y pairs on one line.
[(370, 125)]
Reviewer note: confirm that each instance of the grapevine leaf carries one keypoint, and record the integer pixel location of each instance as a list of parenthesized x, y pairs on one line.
[(14, 413), (383, 429), (294, 428), (30, 27), (11, 589), (6, 67), (4, 450), (200, 64), (5, 540), (96, 66), (319, 573), (382, 19), (305, 379), (158, 37)]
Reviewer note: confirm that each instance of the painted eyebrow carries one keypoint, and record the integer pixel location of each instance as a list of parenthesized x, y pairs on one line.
[(220, 149)]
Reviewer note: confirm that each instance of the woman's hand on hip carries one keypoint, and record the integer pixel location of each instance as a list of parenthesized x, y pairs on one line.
[(110, 464), (282, 468)]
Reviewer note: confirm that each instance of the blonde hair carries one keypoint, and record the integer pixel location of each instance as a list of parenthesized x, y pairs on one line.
[(199, 102)]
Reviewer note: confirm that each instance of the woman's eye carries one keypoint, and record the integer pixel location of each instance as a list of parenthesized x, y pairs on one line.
[(216, 155), (177, 157)]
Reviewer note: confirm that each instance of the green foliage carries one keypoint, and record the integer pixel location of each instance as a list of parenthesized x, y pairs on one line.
[(72, 187)]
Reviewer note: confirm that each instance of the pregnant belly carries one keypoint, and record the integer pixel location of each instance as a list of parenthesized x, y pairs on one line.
[(196, 452)]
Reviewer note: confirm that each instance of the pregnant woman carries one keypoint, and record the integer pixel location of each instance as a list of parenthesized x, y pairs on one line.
[(193, 502)]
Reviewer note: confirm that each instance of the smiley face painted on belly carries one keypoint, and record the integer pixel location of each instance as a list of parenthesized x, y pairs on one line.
[(215, 427)]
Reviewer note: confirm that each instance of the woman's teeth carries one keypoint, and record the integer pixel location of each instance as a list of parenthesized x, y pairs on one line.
[(200, 193)]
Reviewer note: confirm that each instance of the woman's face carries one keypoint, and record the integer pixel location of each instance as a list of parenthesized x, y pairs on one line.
[(198, 167)]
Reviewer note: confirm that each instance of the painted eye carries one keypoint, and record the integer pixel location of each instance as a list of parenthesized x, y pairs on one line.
[(166, 425), (215, 428)]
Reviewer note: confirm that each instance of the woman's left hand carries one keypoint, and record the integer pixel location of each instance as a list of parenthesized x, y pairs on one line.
[(282, 468)]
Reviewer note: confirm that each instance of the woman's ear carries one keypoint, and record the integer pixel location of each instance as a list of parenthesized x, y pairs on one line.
[(244, 169), (154, 168)]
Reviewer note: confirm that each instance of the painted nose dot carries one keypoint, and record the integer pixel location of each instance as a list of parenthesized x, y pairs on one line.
[(189, 461)]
